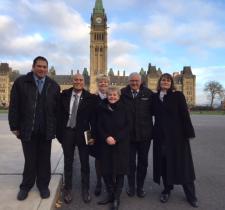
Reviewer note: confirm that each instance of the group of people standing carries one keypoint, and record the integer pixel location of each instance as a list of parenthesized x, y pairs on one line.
[(121, 127)]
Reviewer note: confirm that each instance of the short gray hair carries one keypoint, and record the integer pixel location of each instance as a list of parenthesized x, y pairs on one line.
[(134, 74), (101, 77), (114, 89)]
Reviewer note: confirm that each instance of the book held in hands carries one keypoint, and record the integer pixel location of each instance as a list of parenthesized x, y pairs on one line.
[(88, 138)]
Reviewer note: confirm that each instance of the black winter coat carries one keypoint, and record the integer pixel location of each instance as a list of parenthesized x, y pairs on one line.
[(22, 107), (114, 158), (140, 113), (171, 133), (95, 149), (85, 109)]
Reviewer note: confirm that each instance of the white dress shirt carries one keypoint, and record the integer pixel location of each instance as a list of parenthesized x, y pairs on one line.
[(72, 98)]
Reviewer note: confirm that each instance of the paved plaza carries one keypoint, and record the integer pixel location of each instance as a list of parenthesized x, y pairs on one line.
[(208, 150), (11, 168)]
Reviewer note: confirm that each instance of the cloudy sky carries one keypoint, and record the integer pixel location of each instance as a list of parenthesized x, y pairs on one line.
[(168, 34)]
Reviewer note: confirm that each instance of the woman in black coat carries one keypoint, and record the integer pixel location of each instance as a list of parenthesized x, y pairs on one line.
[(112, 128), (102, 84), (172, 159)]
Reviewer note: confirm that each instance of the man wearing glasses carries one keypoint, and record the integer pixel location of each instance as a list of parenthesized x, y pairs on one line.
[(137, 99)]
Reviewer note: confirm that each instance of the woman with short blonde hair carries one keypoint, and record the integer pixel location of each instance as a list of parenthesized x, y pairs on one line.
[(102, 81)]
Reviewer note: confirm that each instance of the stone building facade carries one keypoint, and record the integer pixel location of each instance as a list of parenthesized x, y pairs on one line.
[(5, 72), (184, 80)]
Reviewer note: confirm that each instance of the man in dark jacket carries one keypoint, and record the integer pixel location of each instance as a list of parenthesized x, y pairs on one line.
[(137, 100), (32, 118), (75, 114)]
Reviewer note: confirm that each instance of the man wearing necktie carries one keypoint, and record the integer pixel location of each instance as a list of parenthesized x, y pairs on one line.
[(33, 108), (137, 100), (75, 115)]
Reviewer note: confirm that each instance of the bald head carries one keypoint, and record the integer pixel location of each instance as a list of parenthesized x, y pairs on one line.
[(78, 82)]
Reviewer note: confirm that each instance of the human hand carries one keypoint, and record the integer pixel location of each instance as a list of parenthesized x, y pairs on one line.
[(110, 140), (91, 142)]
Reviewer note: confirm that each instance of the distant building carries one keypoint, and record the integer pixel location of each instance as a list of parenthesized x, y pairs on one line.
[(223, 105), (5, 71), (98, 44), (184, 80)]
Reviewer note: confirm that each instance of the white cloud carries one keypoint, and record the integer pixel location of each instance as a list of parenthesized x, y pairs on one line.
[(51, 29), (26, 44), (165, 33), (118, 47), (66, 22), (121, 56), (8, 27), (23, 66), (125, 62)]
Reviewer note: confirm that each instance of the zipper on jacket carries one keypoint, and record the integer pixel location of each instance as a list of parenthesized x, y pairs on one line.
[(35, 105)]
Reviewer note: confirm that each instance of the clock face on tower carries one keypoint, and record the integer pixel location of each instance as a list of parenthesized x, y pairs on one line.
[(98, 20)]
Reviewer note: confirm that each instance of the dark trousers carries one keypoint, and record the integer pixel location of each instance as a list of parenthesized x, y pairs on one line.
[(114, 185), (68, 145), (37, 153), (138, 163), (98, 171), (189, 188)]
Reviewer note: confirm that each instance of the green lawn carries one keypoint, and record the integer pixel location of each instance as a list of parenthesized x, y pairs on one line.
[(209, 112), (3, 111)]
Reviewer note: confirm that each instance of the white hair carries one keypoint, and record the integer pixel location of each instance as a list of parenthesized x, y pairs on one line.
[(134, 74)]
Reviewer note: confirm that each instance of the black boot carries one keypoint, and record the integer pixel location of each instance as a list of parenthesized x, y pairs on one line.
[(116, 204), (108, 199), (98, 188), (109, 187)]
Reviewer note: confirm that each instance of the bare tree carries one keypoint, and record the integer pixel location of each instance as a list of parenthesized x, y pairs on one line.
[(214, 90)]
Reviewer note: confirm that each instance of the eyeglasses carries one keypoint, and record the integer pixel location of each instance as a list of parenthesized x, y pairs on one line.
[(134, 80)]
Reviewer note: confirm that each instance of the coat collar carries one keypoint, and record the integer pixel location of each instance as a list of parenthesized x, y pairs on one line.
[(128, 92), (30, 78)]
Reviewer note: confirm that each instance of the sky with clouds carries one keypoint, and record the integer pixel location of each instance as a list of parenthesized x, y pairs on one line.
[(168, 34)]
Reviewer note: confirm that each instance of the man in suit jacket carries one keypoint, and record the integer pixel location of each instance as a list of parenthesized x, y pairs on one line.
[(33, 108), (75, 111)]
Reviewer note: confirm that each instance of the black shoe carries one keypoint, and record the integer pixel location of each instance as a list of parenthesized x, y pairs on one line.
[(141, 193), (67, 196), (22, 195), (98, 189), (130, 191), (164, 197), (86, 196), (108, 199), (193, 203), (115, 205), (44, 193)]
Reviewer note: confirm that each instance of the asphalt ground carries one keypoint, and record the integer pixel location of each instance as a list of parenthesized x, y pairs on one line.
[(208, 149)]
